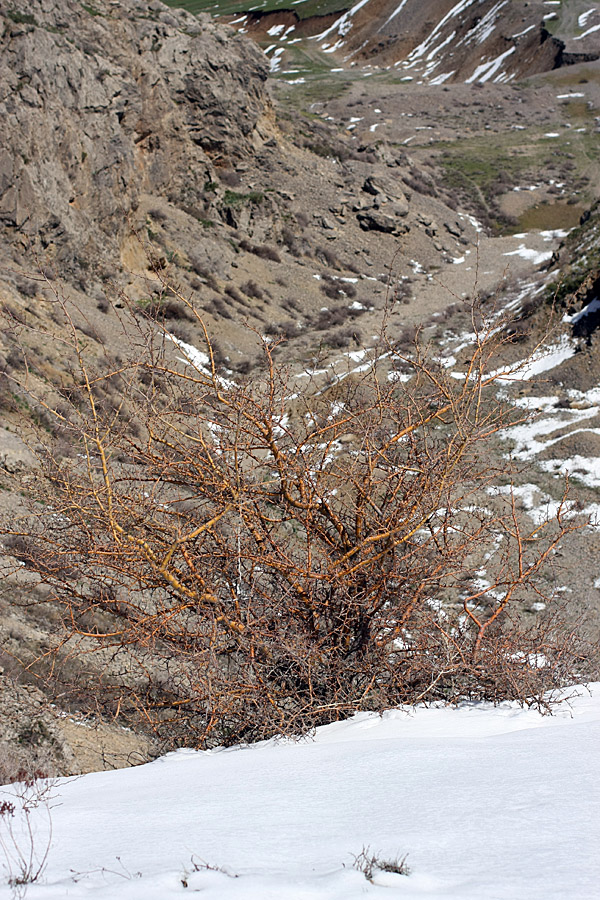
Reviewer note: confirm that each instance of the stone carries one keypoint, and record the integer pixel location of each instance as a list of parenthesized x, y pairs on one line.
[(15, 455), (454, 228), (373, 220), (387, 188)]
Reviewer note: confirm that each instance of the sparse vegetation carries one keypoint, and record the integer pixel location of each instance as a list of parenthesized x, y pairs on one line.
[(264, 251), (277, 440), (251, 289), (25, 845), (370, 863), (21, 18), (233, 198)]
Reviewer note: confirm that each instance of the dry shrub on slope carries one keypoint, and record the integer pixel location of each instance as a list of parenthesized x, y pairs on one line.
[(232, 560)]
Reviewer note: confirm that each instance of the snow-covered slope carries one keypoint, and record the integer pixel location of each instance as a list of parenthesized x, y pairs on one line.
[(469, 40), (488, 803), (439, 40)]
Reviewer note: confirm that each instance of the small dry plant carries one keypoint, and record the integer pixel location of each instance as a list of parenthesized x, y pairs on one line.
[(26, 830), (199, 865), (370, 863)]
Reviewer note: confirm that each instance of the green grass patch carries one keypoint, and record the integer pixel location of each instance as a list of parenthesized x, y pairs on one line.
[(579, 109), (483, 166), (232, 198), (478, 171), (21, 18), (315, 91), (549, 216), (303, 10), (486, 168)]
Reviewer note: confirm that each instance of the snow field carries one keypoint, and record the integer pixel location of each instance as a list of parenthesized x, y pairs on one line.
[(488, 803)]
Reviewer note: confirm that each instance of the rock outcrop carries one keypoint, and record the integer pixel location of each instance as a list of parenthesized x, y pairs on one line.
[(100, 104)]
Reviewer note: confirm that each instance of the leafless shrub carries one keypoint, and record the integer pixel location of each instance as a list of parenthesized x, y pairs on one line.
[(220, 358), (163, 308), (406, 339), (329, 148), (25, 763), (327, 257), (264, 251), (13, 314), (202, 270), (182, 332), (329, 318), (7, 400), (243, 366), (331, 289), (219, 308), (233, 292), (199, 865), (352, 267), (90, 329), (251, 289), (158, 215), (15, 358), (420, 183), (287, 329), (344, 337), (290, 240), (257, 565), (27, 288), (402, 292)]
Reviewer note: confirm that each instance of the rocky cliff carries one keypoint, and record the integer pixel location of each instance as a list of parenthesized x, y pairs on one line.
[(100, 104)]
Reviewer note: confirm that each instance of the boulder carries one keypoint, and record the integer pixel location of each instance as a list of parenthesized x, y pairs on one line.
[(386, 188), (373, 220), (15, 455)]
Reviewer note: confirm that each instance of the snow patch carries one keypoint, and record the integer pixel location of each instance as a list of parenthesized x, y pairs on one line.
[(535, 256), (589, 31), (545, 359), (591, 307), (394, 14), (489, 68), (342, 25)]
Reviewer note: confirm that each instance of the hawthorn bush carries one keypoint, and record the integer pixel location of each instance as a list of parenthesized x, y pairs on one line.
[(234, 560)]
